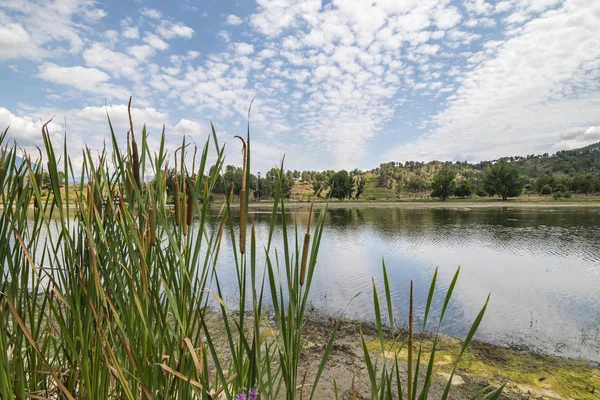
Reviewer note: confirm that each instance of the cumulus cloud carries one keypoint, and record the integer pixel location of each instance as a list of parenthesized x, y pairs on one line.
[(34, 29), (115, 62), (352, 80), (155, 42), (131, 32), (578, 137), (16, 42), (81, 78), (522, 92), (169, 30), (243, 49), (233, 20), (151, 13)]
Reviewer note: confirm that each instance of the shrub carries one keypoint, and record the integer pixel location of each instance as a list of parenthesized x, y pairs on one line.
[(561, 188), (557, 195), (546, 190)]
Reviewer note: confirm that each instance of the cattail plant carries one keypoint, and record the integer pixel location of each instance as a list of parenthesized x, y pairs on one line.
[(305, 246), (243, 198)]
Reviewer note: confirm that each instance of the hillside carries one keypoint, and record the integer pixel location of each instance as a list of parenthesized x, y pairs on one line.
[(577, 170)]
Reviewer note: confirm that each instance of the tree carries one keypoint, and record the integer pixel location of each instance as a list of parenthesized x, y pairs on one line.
[(543, 180), (361, 182), (342, 185), (463, 189), (546, 190), (443, 184), (503, 179)]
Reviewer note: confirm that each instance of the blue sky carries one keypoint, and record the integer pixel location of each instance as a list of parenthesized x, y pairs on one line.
[(337, 84)]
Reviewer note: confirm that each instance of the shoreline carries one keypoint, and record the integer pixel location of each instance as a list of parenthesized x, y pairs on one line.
[(526, 373), (458, 205)]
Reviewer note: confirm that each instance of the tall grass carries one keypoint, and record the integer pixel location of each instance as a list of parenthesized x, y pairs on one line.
[(112, 300)]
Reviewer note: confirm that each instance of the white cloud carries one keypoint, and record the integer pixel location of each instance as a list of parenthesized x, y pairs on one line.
[(170, 30), (186, 127), (447, 17), (111, 35), (131, 32), (81, 78), (578, 137), (502, 6), (155, 41), (16, 42), (522, 95), (116, 63), (38, 29), (273, 17), (243, 48), (233, 20), (26, 130), (151, 13), (142, 52)]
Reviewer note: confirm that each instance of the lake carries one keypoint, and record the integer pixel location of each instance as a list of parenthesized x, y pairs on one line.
[(542, 267)]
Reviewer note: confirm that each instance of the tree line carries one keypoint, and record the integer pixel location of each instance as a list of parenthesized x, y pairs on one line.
[(560, 175)]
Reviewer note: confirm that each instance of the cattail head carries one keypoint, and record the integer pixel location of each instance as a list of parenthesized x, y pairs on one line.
[(190, 208), (184, 215), (152, 223), (305, 247), (90, 197), (243, 199), (176, 200)]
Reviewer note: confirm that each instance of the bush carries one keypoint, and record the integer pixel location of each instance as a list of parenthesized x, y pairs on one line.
[(546, 190), (567, 195), (557, 195), (560, 188)]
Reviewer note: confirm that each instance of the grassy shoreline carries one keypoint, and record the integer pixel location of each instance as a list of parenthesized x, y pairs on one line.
[(451, 204)]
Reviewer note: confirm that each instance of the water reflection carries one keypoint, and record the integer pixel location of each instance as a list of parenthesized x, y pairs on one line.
[(541, 266)]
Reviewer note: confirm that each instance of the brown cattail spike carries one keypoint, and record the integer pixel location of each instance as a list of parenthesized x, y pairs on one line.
[(184, 215), (38, 183), (243, 199), (305, 247), (134, 149), (90, 197), (176, 201), (152, 226), (190, 207)]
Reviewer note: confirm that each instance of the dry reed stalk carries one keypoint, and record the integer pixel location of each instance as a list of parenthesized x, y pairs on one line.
[(305, 247), (243, 199), (134, 149)]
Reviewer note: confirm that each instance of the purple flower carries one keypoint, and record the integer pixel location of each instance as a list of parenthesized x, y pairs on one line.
[(252, 395)]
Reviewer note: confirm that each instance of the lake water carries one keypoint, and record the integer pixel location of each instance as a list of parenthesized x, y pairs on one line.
[(542, 267)]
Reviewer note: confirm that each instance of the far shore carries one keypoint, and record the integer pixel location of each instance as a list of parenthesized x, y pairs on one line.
[(455, 204)]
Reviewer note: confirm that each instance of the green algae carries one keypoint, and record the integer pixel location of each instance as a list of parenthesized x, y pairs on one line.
[(526, 374)]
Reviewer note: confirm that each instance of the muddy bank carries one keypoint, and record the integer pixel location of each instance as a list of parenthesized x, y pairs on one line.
[(527, 375)]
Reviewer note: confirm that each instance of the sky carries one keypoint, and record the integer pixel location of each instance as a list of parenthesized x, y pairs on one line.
[(336, 84)]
